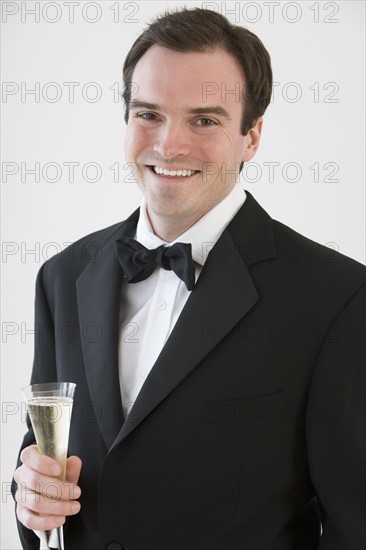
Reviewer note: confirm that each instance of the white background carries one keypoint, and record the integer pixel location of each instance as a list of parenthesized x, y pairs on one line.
[(316, 119)]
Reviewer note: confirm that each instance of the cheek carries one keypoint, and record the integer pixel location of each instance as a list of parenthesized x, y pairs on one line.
[(223, 142), (209, 144), (128, 143), (135, 140)]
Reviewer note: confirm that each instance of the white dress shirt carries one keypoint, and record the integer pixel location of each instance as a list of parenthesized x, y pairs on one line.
[(149, 309)]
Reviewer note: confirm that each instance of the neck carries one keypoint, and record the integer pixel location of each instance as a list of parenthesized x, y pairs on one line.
[(169, 229)]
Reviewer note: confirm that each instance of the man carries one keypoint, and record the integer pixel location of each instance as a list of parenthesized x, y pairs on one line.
[(228, 410)]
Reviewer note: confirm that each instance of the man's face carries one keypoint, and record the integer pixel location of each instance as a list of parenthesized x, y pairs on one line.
[(186, 116)]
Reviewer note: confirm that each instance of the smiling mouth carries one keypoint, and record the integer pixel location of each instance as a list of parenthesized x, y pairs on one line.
[(185, 173)]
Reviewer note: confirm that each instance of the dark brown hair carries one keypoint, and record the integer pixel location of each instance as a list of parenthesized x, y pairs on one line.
[(200, 30)]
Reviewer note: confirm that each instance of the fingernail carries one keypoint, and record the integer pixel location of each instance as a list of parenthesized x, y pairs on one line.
[(76, 492)]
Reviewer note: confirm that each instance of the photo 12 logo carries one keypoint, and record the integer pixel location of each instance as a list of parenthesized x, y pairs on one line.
[(274, 12), (70, 12), (56, 92)]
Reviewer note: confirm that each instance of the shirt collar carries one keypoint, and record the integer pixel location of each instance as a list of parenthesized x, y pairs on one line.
[(204, 233)]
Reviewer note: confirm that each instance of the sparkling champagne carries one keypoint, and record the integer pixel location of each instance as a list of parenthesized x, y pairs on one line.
[(50, 417)]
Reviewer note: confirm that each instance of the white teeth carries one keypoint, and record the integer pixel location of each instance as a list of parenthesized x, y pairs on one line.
[(165, 172)]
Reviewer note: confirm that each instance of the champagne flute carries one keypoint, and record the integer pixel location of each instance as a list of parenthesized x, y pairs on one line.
[(49, 407)]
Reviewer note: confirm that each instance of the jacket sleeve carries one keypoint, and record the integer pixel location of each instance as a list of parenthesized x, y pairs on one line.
[(336, 429), (44, 370)]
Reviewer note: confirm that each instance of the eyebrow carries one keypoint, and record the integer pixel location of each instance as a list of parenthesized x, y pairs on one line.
[(210, 109)]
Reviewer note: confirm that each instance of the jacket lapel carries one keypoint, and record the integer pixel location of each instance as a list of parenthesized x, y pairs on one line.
[(98, 295), (223, 295)]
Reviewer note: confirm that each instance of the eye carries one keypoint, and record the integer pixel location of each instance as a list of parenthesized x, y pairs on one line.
[(206, 122), (146, 116)]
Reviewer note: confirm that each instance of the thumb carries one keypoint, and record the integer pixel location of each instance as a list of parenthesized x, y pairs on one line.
[(73, 467)]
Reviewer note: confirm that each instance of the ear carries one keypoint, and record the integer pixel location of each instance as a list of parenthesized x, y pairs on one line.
[(251, 140)]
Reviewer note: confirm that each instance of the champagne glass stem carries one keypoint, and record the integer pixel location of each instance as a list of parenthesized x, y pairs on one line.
[(60, 538), (60, 530)]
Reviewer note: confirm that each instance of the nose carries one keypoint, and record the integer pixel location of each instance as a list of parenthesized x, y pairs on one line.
[(172, 140)]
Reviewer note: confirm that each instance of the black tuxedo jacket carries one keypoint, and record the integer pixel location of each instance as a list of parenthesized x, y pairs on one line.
[(248, 433)]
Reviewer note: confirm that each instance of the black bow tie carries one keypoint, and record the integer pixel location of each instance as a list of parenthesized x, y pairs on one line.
[(138, 262)]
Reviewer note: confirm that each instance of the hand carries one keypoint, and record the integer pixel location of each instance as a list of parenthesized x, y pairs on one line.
[(43, 501)]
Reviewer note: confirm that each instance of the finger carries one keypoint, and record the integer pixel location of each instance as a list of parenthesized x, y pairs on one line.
[(73, 468), (31, 481), (41, 463), (44, 505), (33, 521)]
